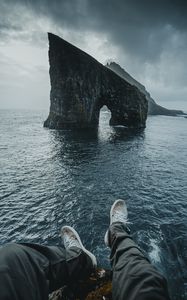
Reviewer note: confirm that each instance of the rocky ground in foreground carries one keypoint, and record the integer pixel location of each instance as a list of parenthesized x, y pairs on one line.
[(97, 287)]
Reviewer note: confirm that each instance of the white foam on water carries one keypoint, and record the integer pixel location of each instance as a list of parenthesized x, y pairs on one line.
[(120, 126), (155, 251)]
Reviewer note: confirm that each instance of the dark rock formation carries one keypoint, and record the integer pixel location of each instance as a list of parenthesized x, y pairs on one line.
[(80, 86), (97, 287), (153, 107)]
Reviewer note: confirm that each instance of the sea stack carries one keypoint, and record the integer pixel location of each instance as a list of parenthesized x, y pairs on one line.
[(153, 107), (81, 86)]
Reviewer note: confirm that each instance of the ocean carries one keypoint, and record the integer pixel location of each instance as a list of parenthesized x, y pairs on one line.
[(50, 178)]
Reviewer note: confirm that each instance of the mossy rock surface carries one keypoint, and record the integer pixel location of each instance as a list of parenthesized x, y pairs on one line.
[(98, 287)]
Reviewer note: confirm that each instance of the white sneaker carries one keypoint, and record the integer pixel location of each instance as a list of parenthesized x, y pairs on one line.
[(118, 213), (71, 239)]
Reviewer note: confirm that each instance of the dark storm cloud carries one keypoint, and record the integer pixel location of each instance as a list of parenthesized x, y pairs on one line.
[(150, 35), (144, 28)]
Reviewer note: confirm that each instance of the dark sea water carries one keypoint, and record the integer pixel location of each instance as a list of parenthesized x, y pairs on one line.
[(49, 178)]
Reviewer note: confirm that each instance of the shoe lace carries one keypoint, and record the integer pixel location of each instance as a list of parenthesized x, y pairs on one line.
[(118, 216), (71, 242)]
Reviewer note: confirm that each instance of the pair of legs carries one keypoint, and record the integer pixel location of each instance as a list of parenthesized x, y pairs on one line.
[(31, 271)]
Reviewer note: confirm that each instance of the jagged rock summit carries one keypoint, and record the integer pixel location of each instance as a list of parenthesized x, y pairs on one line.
[(81, 86), (153, 107)]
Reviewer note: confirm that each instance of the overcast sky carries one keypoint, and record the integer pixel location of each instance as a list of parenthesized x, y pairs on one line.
[(146, 37)]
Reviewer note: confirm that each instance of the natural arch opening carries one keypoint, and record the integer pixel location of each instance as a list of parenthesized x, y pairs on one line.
[(104, 116), (78, 93)]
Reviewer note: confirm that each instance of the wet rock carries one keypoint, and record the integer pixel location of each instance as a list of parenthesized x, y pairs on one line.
[(153, 107), (97, 287), (81, 86)]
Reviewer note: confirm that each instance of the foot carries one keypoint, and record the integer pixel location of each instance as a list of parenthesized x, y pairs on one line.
[(71, 239), (118, 213)]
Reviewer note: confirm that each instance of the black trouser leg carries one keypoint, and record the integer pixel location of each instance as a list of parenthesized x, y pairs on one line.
[(134, 278), (31, 271)]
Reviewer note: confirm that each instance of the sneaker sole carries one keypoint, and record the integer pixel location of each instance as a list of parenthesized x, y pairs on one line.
[(106, 239), (114, 204), (93, 258), (106, 234)]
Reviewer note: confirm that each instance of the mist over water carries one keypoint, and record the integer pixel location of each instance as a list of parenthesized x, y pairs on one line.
[(50, 178)]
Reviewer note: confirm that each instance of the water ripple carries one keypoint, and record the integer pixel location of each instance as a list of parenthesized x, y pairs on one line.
[(50, 178)]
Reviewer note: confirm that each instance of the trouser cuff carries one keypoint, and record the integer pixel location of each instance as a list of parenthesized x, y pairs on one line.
[(117, 229)]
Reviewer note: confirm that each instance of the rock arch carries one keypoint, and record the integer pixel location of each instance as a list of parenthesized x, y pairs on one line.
[(80, 86)]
